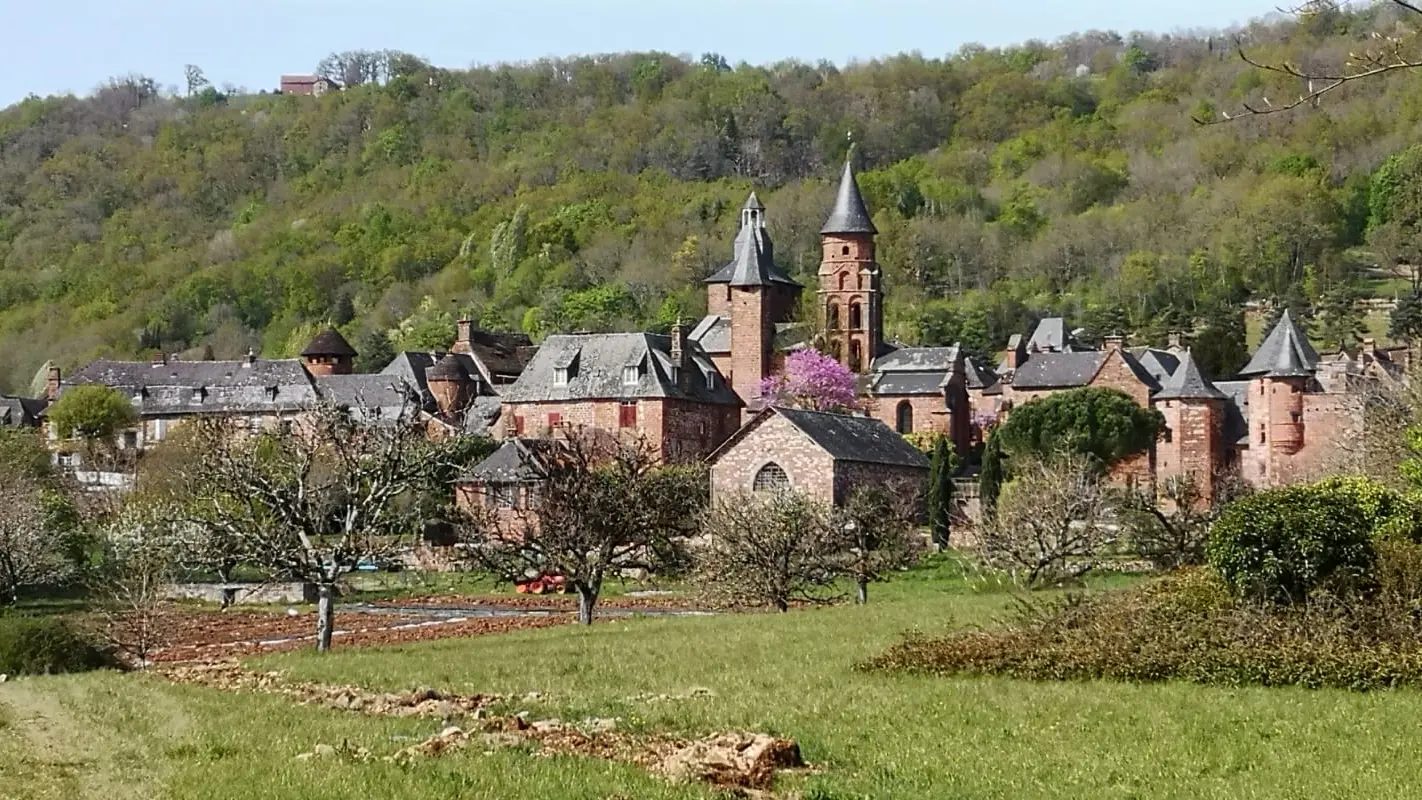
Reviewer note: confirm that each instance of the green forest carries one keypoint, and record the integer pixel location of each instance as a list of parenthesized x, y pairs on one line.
[(594, 193)]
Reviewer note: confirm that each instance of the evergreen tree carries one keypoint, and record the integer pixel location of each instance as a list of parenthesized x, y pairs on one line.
[(992, 476), (1406, 322), (940, 491)]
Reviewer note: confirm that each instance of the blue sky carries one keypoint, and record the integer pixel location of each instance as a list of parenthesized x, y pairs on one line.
[(72, 46)]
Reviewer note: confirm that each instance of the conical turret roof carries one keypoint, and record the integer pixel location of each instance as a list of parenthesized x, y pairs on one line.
[(449, 368), (1187, 383), (753, 265), (329, 343), (1285, 352), (849, 214), (753, 204)]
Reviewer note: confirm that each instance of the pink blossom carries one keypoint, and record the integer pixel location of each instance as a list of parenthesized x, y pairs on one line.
[(812, 380)]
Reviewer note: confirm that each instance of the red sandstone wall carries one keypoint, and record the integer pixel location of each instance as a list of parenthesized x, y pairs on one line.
[(810, 469)]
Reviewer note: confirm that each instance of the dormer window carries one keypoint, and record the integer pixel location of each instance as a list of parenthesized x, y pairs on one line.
[(711, 381), (198, 394), (560, 376), (630, 375), (272, 393), (565, 369)]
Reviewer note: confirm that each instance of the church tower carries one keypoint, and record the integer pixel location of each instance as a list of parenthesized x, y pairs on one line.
[(851, 295), (751, 307)]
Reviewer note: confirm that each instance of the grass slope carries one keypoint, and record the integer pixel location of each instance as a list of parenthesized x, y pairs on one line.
[(876, 735)]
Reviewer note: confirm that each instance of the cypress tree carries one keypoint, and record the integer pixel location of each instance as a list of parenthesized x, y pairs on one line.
[(991, 477), (940, 492)]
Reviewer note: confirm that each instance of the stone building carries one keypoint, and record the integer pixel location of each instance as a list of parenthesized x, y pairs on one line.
[(506, 483), (921, 390), (665, 389), (1288, 416), (822, 455)]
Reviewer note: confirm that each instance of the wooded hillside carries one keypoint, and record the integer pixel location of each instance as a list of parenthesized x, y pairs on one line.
[(594, 193)]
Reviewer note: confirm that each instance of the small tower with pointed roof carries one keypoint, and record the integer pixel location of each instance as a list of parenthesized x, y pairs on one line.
[(751, 307), (1279, 375), (1191, 446), (850, 292), (450, 385), (329, 354)]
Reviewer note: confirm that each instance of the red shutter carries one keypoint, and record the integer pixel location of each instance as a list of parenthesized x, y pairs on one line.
[(627, 415), (518, 425), (555, 419)]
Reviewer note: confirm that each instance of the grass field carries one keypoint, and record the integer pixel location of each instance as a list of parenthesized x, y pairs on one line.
[(872, 735)]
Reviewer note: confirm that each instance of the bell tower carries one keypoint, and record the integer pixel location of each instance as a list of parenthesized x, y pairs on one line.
[(851, 293)]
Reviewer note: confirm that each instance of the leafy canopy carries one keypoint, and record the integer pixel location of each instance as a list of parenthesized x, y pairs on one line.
[(92, 412), (1105, 425)]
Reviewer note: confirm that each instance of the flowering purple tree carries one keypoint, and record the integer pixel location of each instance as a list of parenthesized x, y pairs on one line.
[(812, 380)]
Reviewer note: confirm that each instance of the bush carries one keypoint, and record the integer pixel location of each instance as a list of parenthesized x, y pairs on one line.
[(1186, 626), (45, 645), (1281, 545), (1388, 513)]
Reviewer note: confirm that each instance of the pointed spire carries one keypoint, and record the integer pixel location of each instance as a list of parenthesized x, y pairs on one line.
[(753, 203), (1187, 383), (1286, 336), (849, 214), (753, 265)]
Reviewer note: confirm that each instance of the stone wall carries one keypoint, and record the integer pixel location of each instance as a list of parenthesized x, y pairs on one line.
[(242, 593), (774, 440), (1193, 445), (930, 412), (681, 430), (906, 484)]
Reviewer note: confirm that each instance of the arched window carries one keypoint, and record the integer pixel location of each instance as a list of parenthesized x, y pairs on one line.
[(832, 317), (856, 317), (904, 417), (843, 280), (844, 251), (856, 356), (771, 478)]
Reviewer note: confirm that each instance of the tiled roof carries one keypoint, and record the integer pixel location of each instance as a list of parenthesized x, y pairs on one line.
[(978, 376), (849, 214), (913, 370), (1188, 384), (758, 238), (389, 394), (449, 368), (1285, 352), (20, 412), (713, 333), (595, 366), (1067, 370), (204, 387), (329, 343)]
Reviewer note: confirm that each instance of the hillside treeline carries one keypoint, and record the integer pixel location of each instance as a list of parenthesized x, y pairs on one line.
[(594, 193)]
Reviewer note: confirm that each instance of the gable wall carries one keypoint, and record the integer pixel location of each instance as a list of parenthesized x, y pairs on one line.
[(810, 469)]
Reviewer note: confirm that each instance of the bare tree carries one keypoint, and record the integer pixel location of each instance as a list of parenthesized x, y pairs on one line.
[(355, 67), (314, 503), (30, 553), (192, 73), (1052, 522), (1172, 527), (879, 534), (1393, 51), (604, 505), (772, 550), (141, 552)]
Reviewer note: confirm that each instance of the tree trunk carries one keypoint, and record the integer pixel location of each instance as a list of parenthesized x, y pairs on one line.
[(782, 605), (325, 615), (587, 599), (861, 592)]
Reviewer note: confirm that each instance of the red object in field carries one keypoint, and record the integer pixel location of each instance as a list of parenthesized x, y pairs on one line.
[(542, 584)]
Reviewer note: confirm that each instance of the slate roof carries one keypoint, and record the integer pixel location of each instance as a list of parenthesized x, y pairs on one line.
[(1236, 408), (1072, 369), (1285, 352), (1050, 335), (387, 394), (1188, 384), (515, 461), (20, 412), (849, 214), (846, 437), (913, 370), (500, 357), (713, 333), (482, 415), (329, 343), (595, 365), (204, 387), (1161, 364), (765, 256), (449, 368), (978, 376)]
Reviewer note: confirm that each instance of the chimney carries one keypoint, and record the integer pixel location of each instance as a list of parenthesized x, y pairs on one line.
[(1370, 346), (463, 335), (678, 341), (1175, 341), (1114, 342), (510, 424), (160, 360), (52, 382), (1016, 353), (251, 357)]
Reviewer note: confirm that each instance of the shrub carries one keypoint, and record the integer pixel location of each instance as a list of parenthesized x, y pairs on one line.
[(1185, 626), (1388, 513), (1280, 545), (44, 645)]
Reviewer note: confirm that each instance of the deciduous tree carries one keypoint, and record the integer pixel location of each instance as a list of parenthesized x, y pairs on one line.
[(812, 380), (771, 550)]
